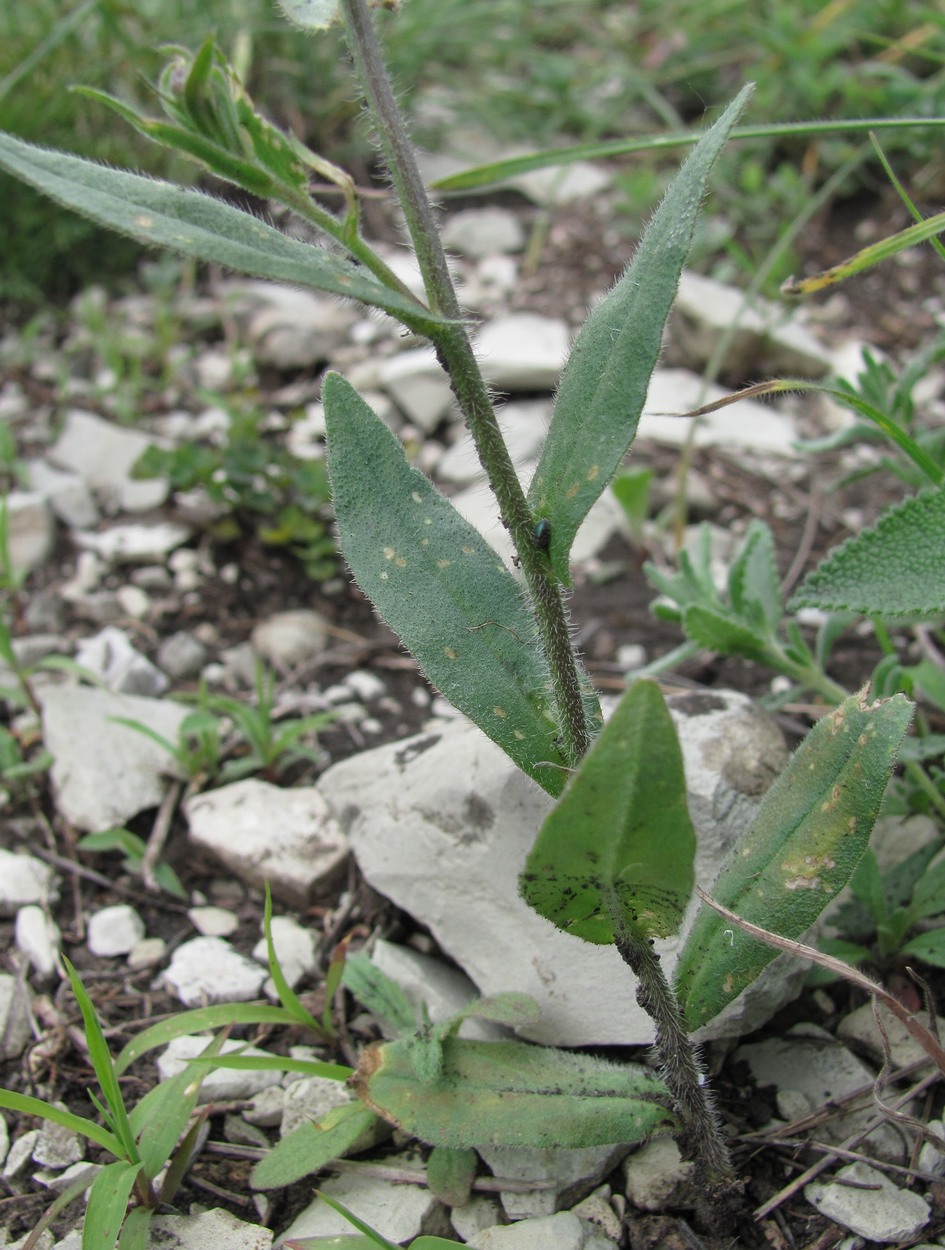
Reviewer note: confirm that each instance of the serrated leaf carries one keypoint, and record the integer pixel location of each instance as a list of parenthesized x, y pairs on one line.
[(929, 947), (162, 215), (440, 586), (513, 1094), (619, 846), (309, 1147), (720, 633), (753, 584), (808, 838), (604, 384), (894, 569)]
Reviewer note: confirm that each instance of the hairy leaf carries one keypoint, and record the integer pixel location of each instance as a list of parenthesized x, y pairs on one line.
[(309, 1147), (894, 569), (810, 833), (620, 840), (604, 384), (162, 215), (440, 586), (512, 1094)]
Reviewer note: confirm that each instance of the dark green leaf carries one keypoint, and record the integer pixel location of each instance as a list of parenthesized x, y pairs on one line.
[(620, 840)]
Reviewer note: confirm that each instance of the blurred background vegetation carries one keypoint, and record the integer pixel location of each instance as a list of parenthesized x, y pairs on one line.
[(541, 72)]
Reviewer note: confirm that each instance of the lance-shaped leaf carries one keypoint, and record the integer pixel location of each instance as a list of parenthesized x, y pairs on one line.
[(620, 838), (162, 215), (604, 384), (894, 569), (308, 1147), (440, 586), (810, 833), (513, 1094)]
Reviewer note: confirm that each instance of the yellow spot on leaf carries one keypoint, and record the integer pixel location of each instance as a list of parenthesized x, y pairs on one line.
[(520, 737), (499, 711), (416, 496), (468, 551), (144, 222), (593, 472), (389, 553), (449, 653), (571, 491), (443, 564)]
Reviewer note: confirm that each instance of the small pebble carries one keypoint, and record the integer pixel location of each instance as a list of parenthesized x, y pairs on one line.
[(115, 931)]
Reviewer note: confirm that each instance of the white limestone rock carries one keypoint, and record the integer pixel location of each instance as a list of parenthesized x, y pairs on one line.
[(655, 1174), (209, 970), (568, 1174), (264, 833), (110, 655), (219, 1084), (296, 949), (479, 232), (768, 339), (872, 1206), (37, 936), (30, 529), (287, 639), (103, 455), (523, 351), (442, 823), (417, 384), (296, 329), (24, 880), (115, 930), (15, 1029), (749, 424), (395, 1211), (562, 1231), (67, 494), (103, 772), (136, 543), (210, 1230)]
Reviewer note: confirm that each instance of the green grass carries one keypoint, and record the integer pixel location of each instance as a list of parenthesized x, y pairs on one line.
[(556, 71)]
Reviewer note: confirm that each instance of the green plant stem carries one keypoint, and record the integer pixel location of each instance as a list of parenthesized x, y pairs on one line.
[(679, 1067), (455, 353)]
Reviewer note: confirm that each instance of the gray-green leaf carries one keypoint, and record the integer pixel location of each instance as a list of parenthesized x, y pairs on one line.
[(162, 215), (809, 836), (440, 586), (894, 569), (604, 384)]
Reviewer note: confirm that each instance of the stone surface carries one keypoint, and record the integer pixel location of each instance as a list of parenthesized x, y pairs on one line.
[(749, 424), (417, 384), (103, 772), (441, 823), (524, 426), (30, 529), (308, 1100), (478, 232), (103, 454), (38, 937), (24, 880), (181, 656), (295, 947), (219, 1084), (569, 1174), (762, 337), (134, 543), (209, 970), (881, 1212), (655, 1174), (427, 981), (290, 638), (859, 1027), (66, 493), (114, 930), (394, 1211), (523, 351), (15, 1030), (563, 1231), (213, 921), (210, 1230), (110, 655), (296, 329), (57, 1146), (814, 1064), (264, 833)]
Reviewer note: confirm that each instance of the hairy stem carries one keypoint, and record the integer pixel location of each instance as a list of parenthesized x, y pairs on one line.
[(455, 353), (679, 1066)]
